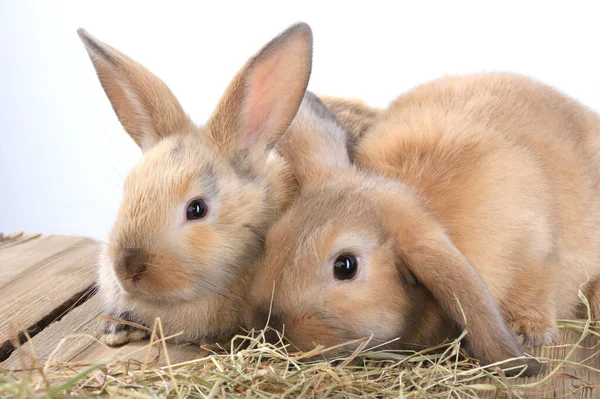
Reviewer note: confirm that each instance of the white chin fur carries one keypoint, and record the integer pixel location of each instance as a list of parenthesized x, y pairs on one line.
[(110, 289)]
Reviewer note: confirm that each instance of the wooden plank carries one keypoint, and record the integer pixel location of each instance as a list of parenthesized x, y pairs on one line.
[(31, 251), (570, 381), (16, 238), (82, 325), (38, 276)]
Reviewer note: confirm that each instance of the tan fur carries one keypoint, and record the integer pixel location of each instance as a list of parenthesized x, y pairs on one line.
[(194, 274), (486, 194)]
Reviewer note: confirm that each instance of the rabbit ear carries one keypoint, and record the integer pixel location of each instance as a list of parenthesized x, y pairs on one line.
[(315, 145), (437, 264), (262, 99), (145, 106)]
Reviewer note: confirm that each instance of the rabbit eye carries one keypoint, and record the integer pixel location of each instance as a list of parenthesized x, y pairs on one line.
[(345, 267), (196, 209)]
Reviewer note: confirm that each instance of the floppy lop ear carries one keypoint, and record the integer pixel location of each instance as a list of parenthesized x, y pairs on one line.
[(315, 145), (437, 264), (144, 104), (262, 99)]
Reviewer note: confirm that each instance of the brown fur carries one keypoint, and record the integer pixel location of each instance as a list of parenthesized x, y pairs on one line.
[(194, 274), (486, 195)]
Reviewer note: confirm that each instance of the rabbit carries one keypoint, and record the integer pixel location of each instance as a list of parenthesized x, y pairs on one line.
[(471, 203), (353, 113), (196, 208)]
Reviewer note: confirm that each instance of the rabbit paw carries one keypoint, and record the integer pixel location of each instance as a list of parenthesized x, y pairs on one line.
[(118, 334), (530, 333)]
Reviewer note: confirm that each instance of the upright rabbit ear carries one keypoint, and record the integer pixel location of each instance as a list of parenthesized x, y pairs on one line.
[(262, 99), (145, 106), (437, 264), (315, 145)]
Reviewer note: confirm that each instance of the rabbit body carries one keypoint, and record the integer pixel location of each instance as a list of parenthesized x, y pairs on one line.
[(511, 168), (473, 204)]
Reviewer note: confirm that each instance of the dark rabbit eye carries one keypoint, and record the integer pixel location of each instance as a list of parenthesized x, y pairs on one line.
[(196, 209), (345, 267)]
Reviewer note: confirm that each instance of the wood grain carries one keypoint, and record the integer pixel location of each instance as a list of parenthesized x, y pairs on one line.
[(80, 332), (38, 275), (569, 381)]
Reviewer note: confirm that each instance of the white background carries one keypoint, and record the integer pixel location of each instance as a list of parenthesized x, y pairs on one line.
[(63, 154)]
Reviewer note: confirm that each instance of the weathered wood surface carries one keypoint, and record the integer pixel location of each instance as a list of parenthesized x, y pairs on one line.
[(74, 339), (570, 380), (39, 274)]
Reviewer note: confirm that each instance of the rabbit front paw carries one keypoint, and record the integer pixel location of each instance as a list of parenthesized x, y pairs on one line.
[(116, 334)]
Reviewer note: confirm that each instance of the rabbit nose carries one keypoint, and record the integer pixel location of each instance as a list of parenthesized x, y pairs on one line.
[(133, 262), (261, 318)]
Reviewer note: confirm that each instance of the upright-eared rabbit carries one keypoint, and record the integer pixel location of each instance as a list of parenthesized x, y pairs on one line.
[(474, 202), (196, 208)]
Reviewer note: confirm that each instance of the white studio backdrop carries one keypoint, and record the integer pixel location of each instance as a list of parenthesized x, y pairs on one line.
[(63, 153)]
